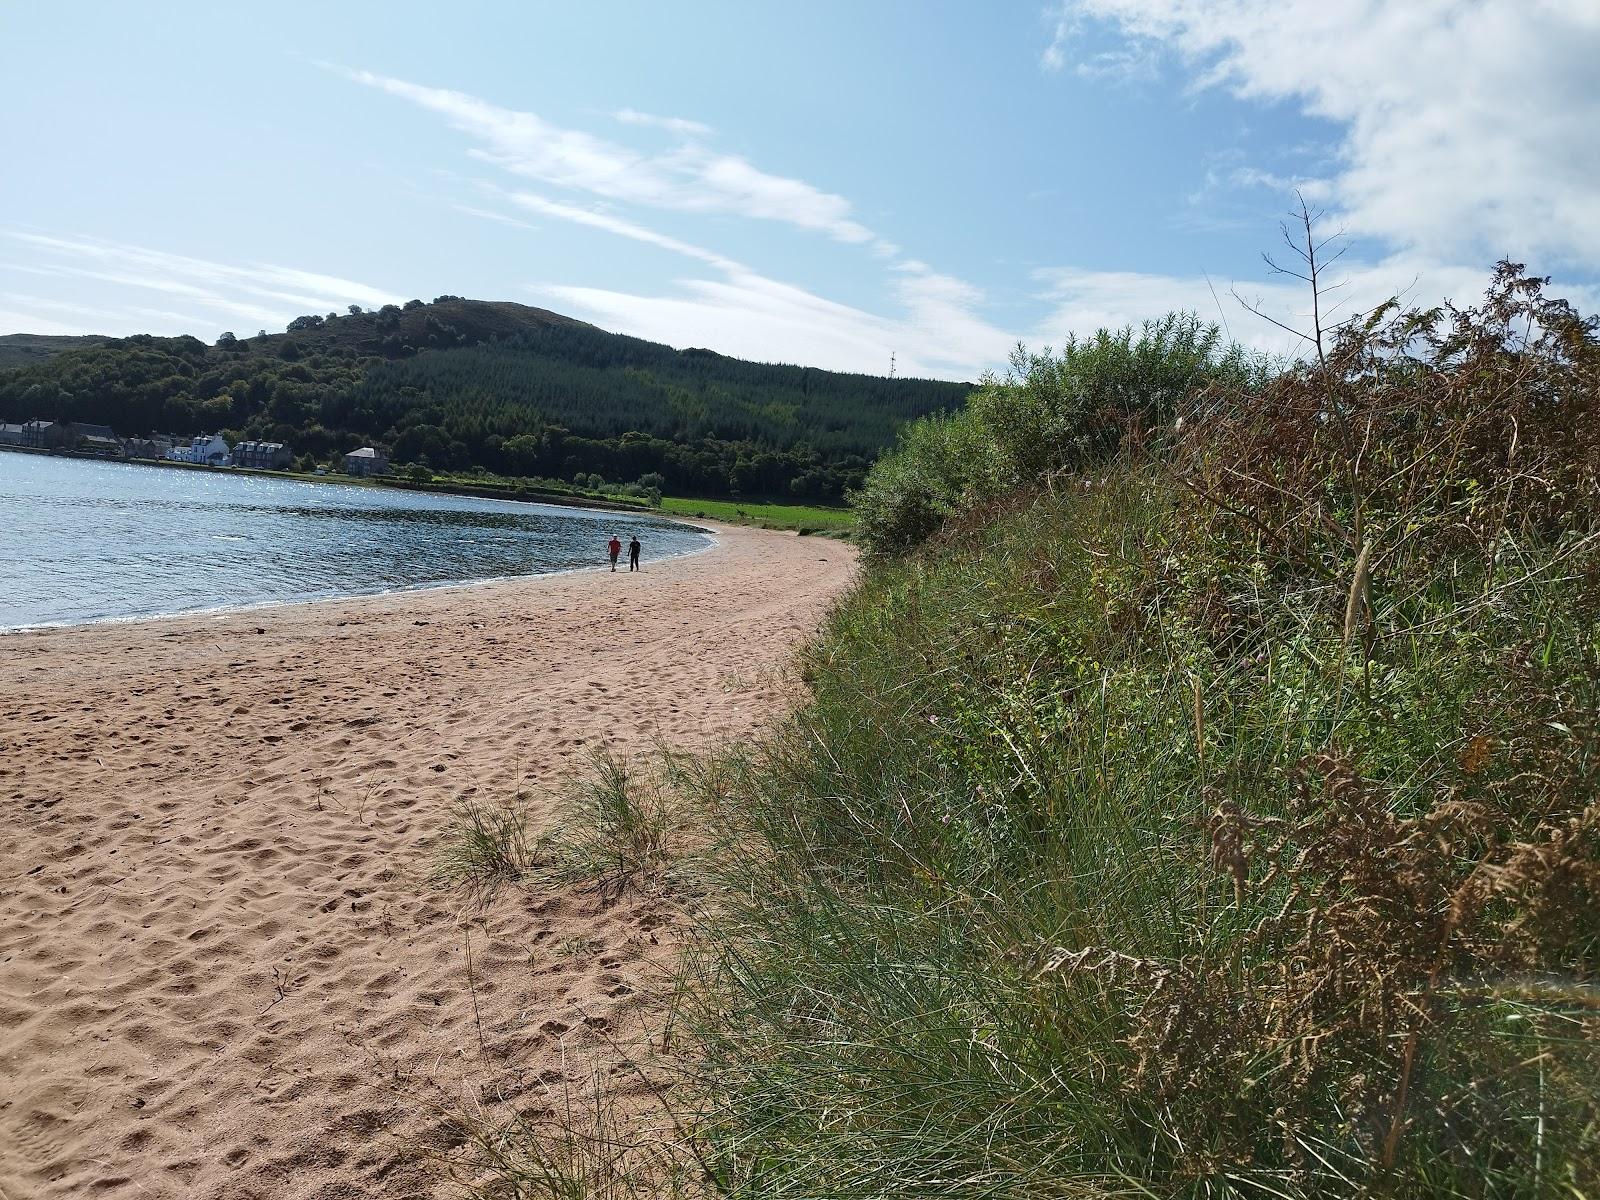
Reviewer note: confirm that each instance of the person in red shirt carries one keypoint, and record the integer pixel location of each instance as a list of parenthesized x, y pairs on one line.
[(615, 547)]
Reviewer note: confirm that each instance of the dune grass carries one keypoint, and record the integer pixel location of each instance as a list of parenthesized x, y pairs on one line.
[(1218, 819), (1212, 815), (486, 845)]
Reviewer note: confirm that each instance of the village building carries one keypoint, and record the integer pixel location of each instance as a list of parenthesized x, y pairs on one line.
[(366, 461), (262, 456), (94, 439), (93, 443), (83, 429), (206, 450), (45, 435), (156, 445)]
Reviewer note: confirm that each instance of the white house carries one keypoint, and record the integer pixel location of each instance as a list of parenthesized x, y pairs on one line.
[(206, 450)]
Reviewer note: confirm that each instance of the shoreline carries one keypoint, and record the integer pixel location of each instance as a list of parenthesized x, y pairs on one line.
[(228, 972), (224, 610), (394, 483)]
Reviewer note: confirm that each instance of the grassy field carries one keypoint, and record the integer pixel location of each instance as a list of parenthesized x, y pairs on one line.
[(766, 516)]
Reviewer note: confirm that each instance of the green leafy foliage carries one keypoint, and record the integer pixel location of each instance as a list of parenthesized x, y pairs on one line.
[(27, 349), (1051, 412)]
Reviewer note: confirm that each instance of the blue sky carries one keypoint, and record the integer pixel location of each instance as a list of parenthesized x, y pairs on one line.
[(828, 183)]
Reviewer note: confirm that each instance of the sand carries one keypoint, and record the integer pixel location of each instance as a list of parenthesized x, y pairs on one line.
[(224, 971)]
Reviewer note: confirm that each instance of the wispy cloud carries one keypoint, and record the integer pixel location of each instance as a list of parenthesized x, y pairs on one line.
[(687, 177), (489, 214), (29, 321), (1315, 191), (176, 272), (622, 228), (262, 293), (678, 125), (1064, 27), (1135, 61)]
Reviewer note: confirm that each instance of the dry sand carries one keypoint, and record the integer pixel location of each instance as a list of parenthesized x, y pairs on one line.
[(223, 972)]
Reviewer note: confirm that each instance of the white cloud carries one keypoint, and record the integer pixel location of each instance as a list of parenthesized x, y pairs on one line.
[(181, 274), (751, 316), (1468, 128), (1064, 29), (620, 227), (1082, 301), (31, 322), (1315, 191), (262, 293), (686, 178), (678, 125), (746, 316), (86, 313), (488, 214)]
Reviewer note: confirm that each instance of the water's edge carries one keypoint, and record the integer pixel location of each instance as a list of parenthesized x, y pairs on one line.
[(227, 610)]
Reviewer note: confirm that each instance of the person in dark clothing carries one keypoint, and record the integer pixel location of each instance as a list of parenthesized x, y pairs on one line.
[(633, 554), (615, 546)]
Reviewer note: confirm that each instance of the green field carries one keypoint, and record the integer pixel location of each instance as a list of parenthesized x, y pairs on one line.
[(804, 517), (767, 516)]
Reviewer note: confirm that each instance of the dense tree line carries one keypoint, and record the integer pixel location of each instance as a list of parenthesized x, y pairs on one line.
[(459, 384)]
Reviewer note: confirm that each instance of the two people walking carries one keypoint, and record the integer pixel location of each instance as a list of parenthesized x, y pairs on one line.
[(615, 547)]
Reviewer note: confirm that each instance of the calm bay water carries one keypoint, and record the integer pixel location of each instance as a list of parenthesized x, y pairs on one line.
[(87, 541)]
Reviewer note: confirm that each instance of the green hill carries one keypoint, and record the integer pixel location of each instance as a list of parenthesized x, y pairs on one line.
[(459, 384), (25, 349)]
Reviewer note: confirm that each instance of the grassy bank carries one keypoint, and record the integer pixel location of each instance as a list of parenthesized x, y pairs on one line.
[(1215, 818), (1203, 804)]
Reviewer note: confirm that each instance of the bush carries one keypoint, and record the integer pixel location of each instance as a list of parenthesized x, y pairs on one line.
[(1050, 413)]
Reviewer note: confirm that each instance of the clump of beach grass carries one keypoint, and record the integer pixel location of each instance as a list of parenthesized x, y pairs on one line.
[(487, 844), (621, 826), (577, 1140)]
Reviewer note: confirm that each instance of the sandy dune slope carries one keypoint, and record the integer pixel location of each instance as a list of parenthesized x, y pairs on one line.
[(222, 970)]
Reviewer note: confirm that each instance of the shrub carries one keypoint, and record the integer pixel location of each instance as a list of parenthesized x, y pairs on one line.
[(1051, 413)]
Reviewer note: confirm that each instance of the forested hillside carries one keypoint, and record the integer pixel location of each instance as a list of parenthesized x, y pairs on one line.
[(459, 384), (25, 349)]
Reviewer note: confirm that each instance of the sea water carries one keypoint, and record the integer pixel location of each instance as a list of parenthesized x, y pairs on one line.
[(86, 541)]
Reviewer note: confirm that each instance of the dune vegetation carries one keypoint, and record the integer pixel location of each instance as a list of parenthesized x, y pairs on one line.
[(1196, 797)]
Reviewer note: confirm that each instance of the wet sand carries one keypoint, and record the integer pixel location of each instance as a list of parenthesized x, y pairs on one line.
[(224, 971)]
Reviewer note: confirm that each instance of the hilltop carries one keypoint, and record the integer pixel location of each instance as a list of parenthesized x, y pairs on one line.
[(459, 384), (24, 349)]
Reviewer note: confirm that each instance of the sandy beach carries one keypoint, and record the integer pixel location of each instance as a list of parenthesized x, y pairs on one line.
[(223, 969)]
